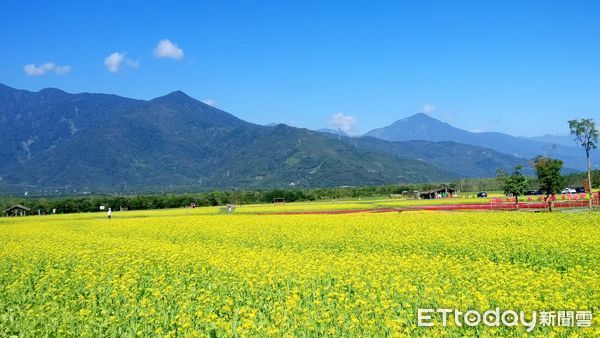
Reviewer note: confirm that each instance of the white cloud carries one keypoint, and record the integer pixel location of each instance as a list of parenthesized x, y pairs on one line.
[(210, 102), (343, 122), (428, 108), (131, 63), (114, 62), (49, 67), (62, 69), (167, 49)]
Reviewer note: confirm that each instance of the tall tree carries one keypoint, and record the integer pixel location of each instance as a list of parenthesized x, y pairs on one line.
[(586, 135), (516, 184), (550, 180)]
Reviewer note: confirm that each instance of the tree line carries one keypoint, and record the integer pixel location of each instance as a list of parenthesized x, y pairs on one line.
[(215, 198), (239, 197)]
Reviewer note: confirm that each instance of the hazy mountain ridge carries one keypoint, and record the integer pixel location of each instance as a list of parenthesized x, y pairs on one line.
[(464, 160), (423, 127), (563, 140), (332, 131)]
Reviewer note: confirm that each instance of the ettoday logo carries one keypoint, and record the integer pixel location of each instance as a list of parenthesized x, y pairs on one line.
[(509, 318)]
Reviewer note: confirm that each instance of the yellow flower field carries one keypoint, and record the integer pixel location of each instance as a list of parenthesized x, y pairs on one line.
[(184, 273)]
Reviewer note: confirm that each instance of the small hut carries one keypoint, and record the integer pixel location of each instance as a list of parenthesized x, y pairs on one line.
[(436, 193), (16, 210)]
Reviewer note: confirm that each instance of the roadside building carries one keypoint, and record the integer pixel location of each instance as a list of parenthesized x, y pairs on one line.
[(16, 210), (437, 193)]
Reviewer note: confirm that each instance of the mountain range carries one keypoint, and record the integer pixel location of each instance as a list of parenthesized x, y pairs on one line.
[(52, 140), (563, 140), (423, 127)]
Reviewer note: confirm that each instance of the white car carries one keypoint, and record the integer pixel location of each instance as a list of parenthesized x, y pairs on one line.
[(568, 191)]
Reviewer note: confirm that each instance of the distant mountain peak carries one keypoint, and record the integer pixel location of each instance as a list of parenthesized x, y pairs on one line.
[(420, 115), (177, 95), (183, 107), (421, 126), (52, 90), (415, 125)]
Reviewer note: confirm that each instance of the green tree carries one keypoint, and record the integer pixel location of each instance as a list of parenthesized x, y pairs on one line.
[(550, 180), (516, 184), (586, 135), (595, 178)]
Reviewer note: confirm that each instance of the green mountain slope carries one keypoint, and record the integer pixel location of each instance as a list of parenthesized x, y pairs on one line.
[(301, 157), (98, 142), (178, 141), (462, 159), (423, 127)]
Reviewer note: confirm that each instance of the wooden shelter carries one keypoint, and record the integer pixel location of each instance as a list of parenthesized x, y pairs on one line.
[(16, 210), (436, 193)]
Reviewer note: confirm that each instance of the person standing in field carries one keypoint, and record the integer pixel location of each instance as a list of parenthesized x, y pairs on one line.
[(108, 213)]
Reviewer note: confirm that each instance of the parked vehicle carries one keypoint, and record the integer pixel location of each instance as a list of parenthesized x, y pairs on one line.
[(579, 190), (482, 194), (568, 191), (533, 192)]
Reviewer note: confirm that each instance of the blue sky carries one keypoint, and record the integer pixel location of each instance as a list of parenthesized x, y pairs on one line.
[(521, 67)]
